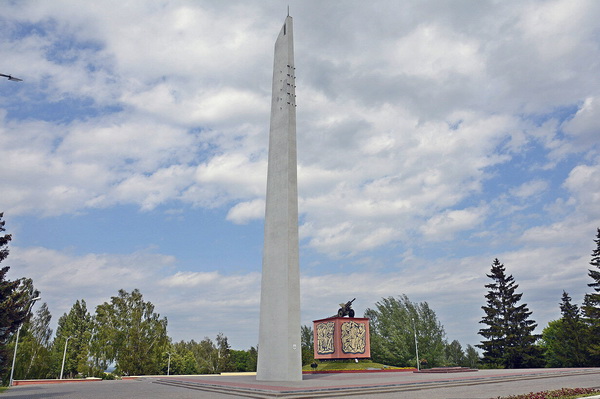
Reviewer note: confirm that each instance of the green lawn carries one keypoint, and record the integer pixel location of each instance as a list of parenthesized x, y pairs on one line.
[(337, 366)]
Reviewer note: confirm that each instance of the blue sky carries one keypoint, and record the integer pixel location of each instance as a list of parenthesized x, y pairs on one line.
[(433, 137)]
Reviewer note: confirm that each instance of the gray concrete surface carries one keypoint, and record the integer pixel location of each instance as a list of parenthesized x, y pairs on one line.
[(484, 384), (279, 349)]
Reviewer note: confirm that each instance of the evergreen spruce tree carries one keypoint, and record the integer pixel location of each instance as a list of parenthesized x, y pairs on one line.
[(573, 334), (591, 305), (15, 305), (509, 339)]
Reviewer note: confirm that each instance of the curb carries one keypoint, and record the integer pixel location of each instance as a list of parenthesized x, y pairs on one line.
[(64, 381)]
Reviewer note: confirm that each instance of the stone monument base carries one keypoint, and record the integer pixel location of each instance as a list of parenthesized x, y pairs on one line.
[(342, 338)]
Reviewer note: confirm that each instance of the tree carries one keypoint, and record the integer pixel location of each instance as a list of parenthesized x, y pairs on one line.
[(244, 360), (211, 358), (564, 340), (129, 333), (573, 333), (76, 326), (591, 305), (239, 359), (472, 358), (454, 354), (551, 345), (34, 356), (393, 324), (252, 359), (509, 336), (15, 301), (223, 354), (307, 341), (182, 360)]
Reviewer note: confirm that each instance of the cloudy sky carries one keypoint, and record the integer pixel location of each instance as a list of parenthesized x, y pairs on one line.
[(433, 137)]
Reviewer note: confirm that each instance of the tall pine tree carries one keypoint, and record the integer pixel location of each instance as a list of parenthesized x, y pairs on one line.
[(574, 333), (591, 304), (15, 301), (509, 339)]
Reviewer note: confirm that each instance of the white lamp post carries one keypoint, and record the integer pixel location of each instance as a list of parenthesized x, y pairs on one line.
[(12, 369), (169, 364), (416, 344), (64, 356)]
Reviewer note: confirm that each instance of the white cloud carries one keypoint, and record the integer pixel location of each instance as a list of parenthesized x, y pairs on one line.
[(64, 277), (432, 52), (245, 211), (584, 183), (444, 226), (416, 122), (584, 125), (529, 189)]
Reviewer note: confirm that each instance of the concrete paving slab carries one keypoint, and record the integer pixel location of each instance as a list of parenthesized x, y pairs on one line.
[(484, 384)]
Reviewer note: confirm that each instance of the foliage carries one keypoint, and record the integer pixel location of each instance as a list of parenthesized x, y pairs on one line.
[(393, 325), (211, 357), (244, 360), (591, 304), (307, 340), (129, 333), (252, 359), (509, 340), (15, 301), (472, 358), (564, 341), (455, 356), (564, 393), (108, 376), (182, 360), (34, 356), (239, 359), (74, 333)]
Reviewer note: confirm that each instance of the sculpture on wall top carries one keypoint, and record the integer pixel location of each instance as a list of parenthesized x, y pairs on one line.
[(346, 309)]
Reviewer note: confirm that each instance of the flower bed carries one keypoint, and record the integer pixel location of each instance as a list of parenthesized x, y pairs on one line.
[(564, 393)]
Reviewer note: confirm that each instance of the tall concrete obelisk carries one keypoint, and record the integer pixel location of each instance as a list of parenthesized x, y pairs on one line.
[(279, 352)]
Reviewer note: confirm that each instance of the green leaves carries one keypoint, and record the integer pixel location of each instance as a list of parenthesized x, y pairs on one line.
[(128, 332), (76, 326), (307, 342), (393, 324)]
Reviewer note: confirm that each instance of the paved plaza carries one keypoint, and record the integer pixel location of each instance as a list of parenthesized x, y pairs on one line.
[(484, 384)]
